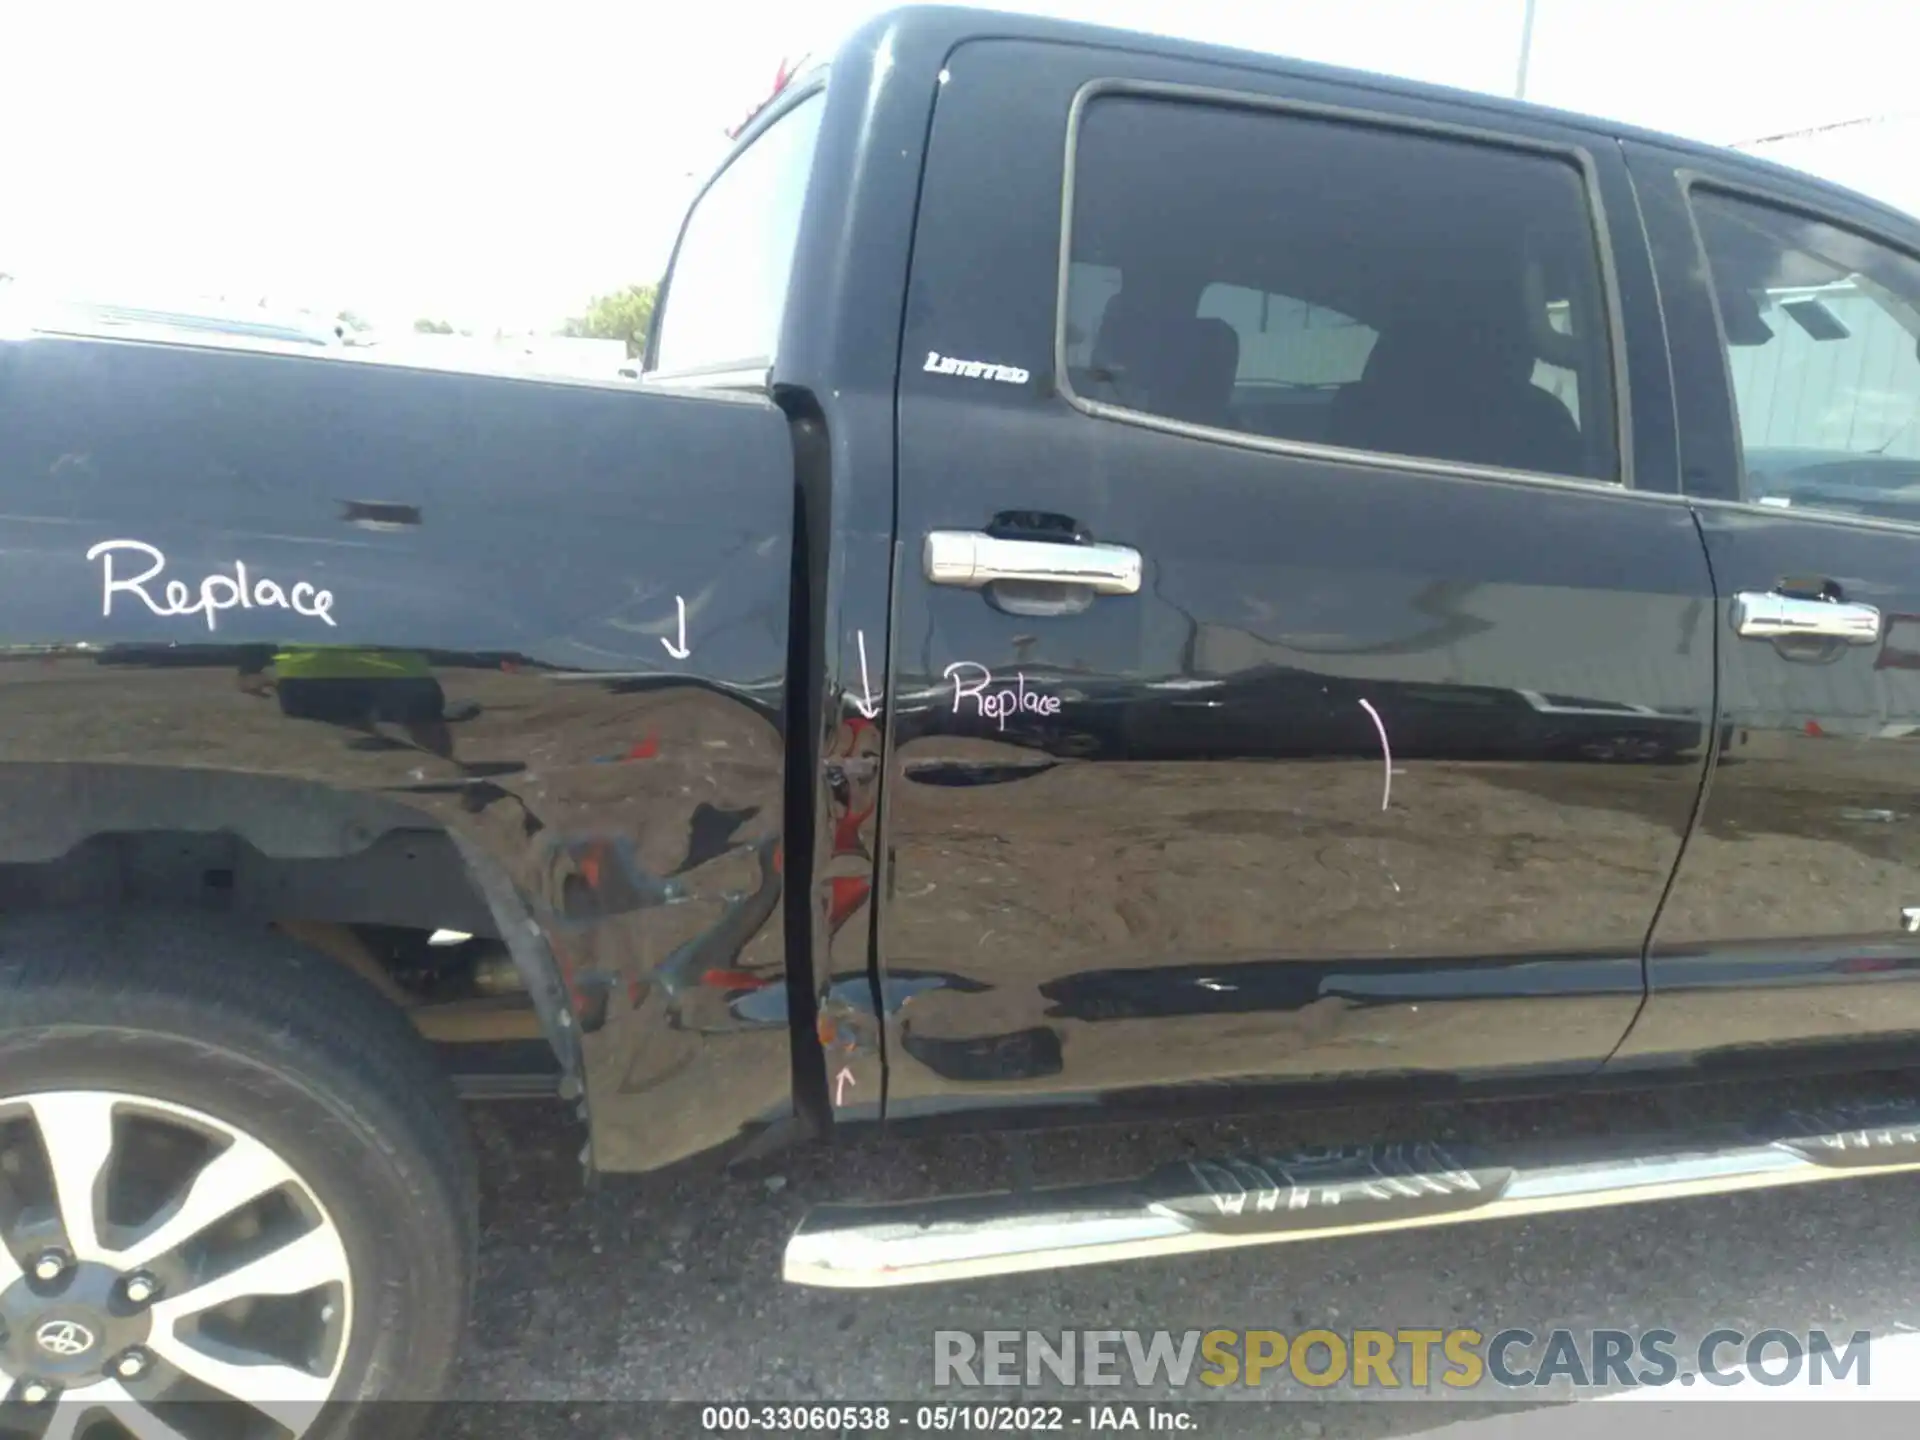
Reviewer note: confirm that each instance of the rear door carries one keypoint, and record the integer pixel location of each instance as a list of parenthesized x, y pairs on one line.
[(1377, 759), (1795, 316)]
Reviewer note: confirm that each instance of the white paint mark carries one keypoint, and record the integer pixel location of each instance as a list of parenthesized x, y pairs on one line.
[(1386, 754), (1002, 703), (680, 651), (867, 705), (840, 1084), (217, 591)]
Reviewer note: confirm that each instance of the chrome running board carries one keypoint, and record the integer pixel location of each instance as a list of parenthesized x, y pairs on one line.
[(1317, 1193)]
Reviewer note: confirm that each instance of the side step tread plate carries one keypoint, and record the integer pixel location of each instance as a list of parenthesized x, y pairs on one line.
[(1324, 1192)]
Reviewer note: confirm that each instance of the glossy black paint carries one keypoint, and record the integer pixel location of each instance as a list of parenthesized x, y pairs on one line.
[(835, 372), (782, 875), (527, 545), (1186, 877), (1782, 941)]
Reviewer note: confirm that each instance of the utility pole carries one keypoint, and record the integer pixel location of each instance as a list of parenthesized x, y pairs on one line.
[(1526, 51)]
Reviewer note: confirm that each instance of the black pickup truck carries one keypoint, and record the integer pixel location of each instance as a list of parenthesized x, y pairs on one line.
[(1135, 579)]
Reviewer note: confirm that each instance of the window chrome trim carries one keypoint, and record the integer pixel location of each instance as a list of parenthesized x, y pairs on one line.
[(727, 375), (1578, 155), (1690, 179), (1804, 514)]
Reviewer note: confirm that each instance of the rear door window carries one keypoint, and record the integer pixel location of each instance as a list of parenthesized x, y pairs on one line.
[(1821, 329), (1342, 284)]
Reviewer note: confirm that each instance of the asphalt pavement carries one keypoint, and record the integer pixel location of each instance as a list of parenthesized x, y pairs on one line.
[(667, 1287)]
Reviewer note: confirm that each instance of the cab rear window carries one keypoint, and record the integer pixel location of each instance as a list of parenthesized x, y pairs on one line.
[(728, 288)]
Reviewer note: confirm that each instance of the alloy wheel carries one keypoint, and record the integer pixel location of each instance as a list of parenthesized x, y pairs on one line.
[(156, 1254)]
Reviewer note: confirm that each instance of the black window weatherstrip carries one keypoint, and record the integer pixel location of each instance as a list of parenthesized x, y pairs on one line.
[(1689, 180), (1582, 159)]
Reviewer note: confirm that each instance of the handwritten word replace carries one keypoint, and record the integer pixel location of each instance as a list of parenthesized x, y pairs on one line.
[(999, 704), (218, 591)]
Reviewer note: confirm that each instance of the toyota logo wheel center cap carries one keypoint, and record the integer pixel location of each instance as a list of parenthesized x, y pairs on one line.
[(64, 1338)]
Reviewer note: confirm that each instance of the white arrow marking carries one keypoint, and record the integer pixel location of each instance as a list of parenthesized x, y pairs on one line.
[(867, 707), (680, 651), (1386, 758), (840, 1083)]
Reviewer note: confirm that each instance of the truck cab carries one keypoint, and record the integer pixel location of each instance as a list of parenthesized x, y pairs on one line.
[(1131, 579)]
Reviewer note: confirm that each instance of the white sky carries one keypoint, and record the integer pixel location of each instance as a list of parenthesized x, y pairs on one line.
[(497, 165)]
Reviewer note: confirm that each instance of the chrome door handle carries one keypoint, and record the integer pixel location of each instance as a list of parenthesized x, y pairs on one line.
[(1768, 615), (971, 559)]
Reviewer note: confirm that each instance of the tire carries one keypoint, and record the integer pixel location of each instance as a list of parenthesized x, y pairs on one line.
[(186, 1042)]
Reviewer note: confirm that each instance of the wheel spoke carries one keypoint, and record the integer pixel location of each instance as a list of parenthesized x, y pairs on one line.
[(64, 1423), (291, 1397), (243, 1172), (9, 1268), (77, 1131), (136, 1419), (316, 1258), (143, 1424), (75, 1407)]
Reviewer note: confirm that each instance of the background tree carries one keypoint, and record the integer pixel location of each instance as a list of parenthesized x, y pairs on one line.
[(624, 315), (433, 327)]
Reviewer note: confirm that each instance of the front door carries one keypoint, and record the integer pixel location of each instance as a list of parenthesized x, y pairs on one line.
[(1790, 932), (1377, 759)]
